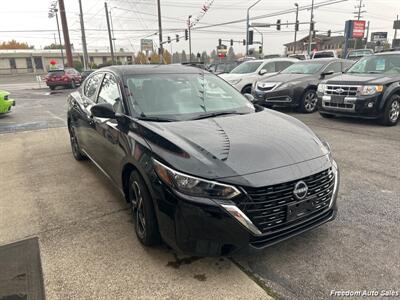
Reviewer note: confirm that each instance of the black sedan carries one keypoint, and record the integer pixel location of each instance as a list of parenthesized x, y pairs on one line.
[(174, 140), (296, 86)]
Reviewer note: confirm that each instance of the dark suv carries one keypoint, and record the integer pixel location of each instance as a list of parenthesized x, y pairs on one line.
[(369, 89)]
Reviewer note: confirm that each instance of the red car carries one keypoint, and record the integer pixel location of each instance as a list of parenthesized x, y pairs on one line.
[(68, 77)]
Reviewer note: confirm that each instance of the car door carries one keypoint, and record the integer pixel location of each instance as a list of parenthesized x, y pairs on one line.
[(106, 150), (88, 94)]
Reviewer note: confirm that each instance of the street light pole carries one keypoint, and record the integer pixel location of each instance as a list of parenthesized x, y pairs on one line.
[(190, 40), (248, 25), (311, 24), (295, 31), (160, 32)]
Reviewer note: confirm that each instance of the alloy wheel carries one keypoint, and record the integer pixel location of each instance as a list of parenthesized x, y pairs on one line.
[(138, 209), (394, 111), (310, 101)]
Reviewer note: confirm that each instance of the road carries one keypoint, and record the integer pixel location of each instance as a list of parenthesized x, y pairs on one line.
[(358, 251)]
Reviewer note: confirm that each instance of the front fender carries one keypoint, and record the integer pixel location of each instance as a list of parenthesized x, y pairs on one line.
[(392, 89)]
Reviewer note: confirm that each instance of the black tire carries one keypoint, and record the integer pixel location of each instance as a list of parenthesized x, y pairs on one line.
[(142, 208), (391, 114), (76, 150), (309, 101), (73, 84), (246, 90), (52, 87), (327, 116)]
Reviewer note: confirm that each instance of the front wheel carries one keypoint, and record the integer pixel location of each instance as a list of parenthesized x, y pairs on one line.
[(142, 209), (308, 103), (391, 113)]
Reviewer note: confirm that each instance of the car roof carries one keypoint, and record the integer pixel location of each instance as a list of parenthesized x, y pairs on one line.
[(153, 69), (272, 59), (388, 53), (322, 59)]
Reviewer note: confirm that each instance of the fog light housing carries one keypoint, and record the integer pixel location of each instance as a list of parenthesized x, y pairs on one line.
[(370, 104)]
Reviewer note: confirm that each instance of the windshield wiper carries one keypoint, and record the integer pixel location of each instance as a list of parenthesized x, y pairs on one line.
[(374, 72), (143, 117), (216, 114)]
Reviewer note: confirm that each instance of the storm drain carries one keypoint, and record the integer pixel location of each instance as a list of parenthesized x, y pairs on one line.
[(21, 271)]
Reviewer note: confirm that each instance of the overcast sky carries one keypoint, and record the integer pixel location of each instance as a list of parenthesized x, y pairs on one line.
[(134, 19)]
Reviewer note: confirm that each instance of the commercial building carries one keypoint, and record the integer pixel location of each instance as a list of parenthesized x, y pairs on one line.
[(38, 61), (319, 42)]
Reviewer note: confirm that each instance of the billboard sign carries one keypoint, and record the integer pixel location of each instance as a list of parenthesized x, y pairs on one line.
[(396, 24), (379, 36), (358, 29), (146, 45)]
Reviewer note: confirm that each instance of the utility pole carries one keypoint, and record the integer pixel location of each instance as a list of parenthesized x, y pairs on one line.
[(359, 12), (109, 33), (112, 31), (65, 33), (311, 26), (395, 31), (248, 25), (366, 39), (84, 46), (161, 50), (295, 31), (190, 40)]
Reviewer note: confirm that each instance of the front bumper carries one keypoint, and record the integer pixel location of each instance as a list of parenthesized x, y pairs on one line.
[(357, 106), (203, 227), (5, 105)]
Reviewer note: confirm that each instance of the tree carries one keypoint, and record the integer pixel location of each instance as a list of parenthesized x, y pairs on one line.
[(140, 58), (167, 57), (78, 65), (204, 57), (183, 56), (175, 58), (54, 46), (231, 54), (213, 55), (13, 44)]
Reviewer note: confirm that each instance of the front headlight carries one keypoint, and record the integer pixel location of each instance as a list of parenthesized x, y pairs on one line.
[(368, 90), (288, 84), (235, 81), (321, 88), (194, 186)]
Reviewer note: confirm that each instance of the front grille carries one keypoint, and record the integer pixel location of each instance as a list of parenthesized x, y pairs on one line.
[(346, 106), (267, 207), (342, 90), (268, 88)]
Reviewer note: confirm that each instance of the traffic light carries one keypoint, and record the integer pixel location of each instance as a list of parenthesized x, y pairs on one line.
[(329, 33), (251, 35), (231, 42), (186, 34), (312, 26), (278, 24), (244, 42), (219, 42), (296, 26), (177, 37), (169, 39), (260, 49)]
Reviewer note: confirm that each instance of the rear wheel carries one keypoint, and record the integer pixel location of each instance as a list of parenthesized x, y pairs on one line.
[(328, 116), (391, 113), (142, 209), (308, 103), (76, 150)]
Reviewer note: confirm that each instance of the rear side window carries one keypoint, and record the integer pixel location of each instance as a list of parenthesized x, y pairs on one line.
[(109, 92), (282, 65), (323, 54), (91, 86)]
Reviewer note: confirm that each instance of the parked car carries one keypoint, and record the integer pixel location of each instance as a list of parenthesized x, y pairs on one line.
[(296, 86), (324, 54), (175, 142), (300, 56), (223, 67), (357, 54), (243, 76), (68, 77), (369, 89), (5, 102), (85, 74), (266, 56)]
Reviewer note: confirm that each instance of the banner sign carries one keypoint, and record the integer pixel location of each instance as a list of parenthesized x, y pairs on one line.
[(358, 29)]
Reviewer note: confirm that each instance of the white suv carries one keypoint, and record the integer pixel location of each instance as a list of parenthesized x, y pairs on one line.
[(243, 76)]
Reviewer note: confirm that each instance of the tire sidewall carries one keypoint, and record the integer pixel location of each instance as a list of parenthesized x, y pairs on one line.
[(386, 120), (303, 102)]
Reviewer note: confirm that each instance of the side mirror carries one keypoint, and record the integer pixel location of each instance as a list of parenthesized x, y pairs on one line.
[(103, 110), (327, 73), (249, 97), (262, 72)]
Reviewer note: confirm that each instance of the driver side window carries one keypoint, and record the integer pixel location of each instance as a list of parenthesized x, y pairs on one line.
[(269, 67), (335, 67)]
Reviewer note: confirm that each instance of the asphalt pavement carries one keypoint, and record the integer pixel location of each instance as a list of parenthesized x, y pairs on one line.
[(87, 239)]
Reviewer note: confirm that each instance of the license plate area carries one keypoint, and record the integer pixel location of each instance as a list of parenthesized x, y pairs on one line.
[(300, 209), (337, 99)]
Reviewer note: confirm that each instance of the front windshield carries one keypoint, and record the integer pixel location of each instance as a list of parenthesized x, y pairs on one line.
[(303, 68), (247, 67), (183, 96), (388, 64)]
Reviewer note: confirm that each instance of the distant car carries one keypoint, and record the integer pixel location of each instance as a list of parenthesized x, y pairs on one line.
[(357, 54), (5, 102), (324, 54), (85, 74), (243, 76), (300, 56), (297, 85), (195, 64), (266, 56), (68, 77), (224, 67)]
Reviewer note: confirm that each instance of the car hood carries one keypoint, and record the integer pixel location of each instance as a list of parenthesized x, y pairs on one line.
[(361, 79), (229, 76), (289, 77), (234, 145)]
